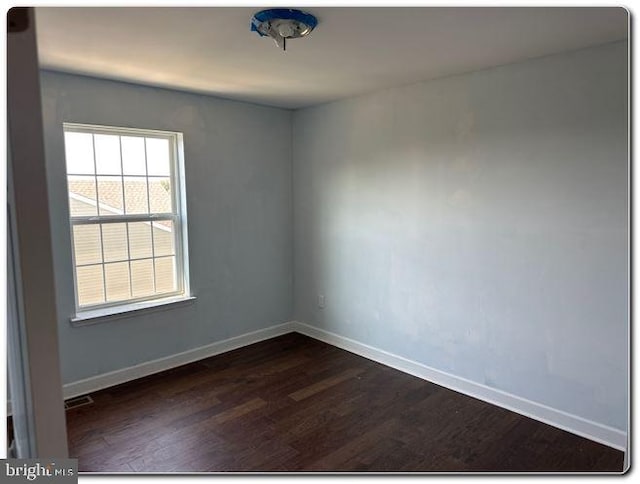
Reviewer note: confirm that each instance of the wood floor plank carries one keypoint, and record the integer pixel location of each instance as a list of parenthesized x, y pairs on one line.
[(370, 439), (294, 404), (311, 390), (236, 412)]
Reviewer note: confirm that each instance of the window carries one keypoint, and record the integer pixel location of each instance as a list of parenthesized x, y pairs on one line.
[(128, 222)]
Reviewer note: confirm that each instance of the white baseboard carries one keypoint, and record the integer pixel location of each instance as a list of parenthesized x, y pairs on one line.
[(571, 423), (105, 380)]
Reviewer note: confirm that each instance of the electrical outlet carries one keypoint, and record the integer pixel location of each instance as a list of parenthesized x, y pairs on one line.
[(320, 301)]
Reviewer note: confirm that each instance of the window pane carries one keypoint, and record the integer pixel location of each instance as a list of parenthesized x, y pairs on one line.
[(90, 285), (163, 238), (82, 196), (165, 274), (78, 149), (107, 148), (133, 162), (117, 174), (117, 281), (114, 237), (158, 157), (110, 195), (140, 240), (142, 278), (135, 194), (86, 244), (160, 195)]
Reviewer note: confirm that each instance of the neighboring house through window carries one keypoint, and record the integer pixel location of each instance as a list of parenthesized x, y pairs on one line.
[(128, 220)]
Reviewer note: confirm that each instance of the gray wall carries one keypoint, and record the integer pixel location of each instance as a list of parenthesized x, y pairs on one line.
[(477, 224), (238, 178)]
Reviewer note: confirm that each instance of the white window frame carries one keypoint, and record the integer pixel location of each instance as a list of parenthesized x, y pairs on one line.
[(178, 216)]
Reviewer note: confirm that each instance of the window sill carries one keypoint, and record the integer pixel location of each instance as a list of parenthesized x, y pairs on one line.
[(128, 310)]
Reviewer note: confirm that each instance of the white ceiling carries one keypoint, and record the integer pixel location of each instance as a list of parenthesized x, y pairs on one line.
[(352, 50)]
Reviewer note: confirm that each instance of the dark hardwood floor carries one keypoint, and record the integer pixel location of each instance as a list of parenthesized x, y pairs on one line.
[(295, 404)]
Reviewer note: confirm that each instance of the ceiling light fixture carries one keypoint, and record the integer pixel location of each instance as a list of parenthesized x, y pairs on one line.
[(283, 23)]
